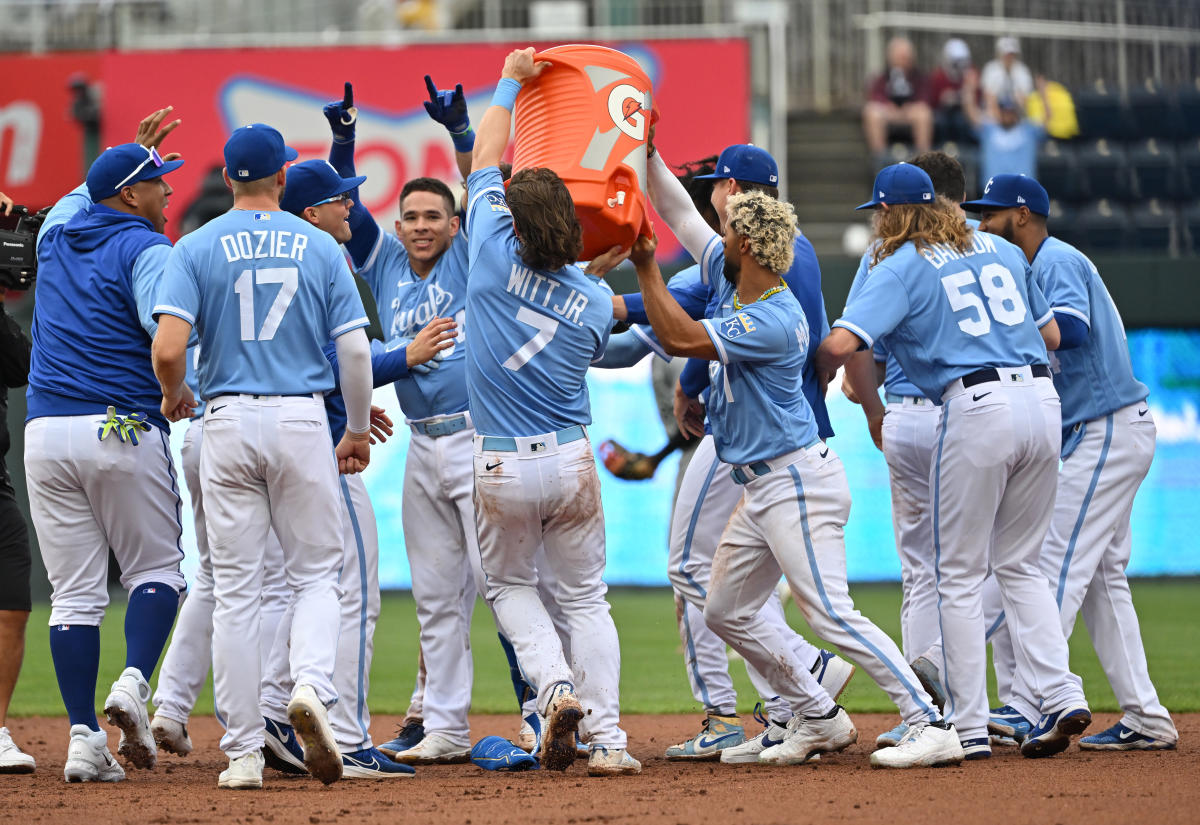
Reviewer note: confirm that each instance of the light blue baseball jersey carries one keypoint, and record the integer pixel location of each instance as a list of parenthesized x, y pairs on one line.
[(1095, 378), (533, 333), (945, 314), (407, 303), (755, 402), (265, 291)]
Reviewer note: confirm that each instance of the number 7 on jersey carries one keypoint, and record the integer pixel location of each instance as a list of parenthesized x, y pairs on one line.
[(545, 326)]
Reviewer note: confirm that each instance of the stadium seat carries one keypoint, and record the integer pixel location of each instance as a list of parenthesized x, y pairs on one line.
[(1188, 101), (1152, 227), (1103, 225), (1189, 164), (1101, 112), (1104, 166), (1154, 170), (1062, 223), (1191, 224), (1058, 171), (1154, 112)]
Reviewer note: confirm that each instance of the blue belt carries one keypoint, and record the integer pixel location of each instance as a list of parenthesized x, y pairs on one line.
[(896, 398), (504, 444), (758, 468), (441, 427)]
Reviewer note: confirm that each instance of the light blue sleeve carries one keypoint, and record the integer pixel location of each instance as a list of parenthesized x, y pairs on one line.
[(623, 350), (879, 307), (346, 311), (860, 277), (488, 215), (148, 272), (76, 201), (179, 292), (1038, 306), (1065, 286), (751, 334)]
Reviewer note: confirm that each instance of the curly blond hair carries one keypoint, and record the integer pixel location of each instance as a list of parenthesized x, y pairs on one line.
[(768, 223)]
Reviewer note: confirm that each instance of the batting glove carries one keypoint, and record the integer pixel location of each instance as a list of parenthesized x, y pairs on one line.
[(342, 115), (112, 424), (449, 108)]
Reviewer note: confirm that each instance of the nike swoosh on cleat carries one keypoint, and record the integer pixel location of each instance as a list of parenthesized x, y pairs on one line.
[(372, 765), (1126, 734), (708, 743)]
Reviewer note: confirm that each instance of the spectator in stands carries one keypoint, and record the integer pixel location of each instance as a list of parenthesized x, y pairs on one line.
[(1005, 78), (946, 89), (898, 96), (1008, 142)]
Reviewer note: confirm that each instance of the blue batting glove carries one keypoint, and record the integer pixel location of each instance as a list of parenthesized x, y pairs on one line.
[(342, 116), (448, 108)]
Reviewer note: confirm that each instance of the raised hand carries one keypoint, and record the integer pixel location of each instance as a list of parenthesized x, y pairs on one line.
[(448, 108), (342, 115), (151, 132)]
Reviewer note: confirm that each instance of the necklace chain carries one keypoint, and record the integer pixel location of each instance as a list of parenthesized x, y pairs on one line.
[(737, 304)]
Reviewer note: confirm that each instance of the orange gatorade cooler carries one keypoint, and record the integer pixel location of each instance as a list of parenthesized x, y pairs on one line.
[(587, 117)]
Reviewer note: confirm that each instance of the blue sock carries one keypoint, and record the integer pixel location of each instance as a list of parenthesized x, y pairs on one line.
[(148, 621), (76, 652), (522, 688)]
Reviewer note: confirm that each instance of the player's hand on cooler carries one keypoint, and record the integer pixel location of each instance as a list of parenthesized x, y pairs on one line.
[(519, 65), (342, 115), (151, 132), (447, 107), (642, 253), (875, 426), (428, 344), (6, 204), (353, 452), (606, 261), (689, 414), (381, 425), (178, 405)]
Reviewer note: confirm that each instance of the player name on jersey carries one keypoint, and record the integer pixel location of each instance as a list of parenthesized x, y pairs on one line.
[(526, 283), (939, 254), (263, 243)]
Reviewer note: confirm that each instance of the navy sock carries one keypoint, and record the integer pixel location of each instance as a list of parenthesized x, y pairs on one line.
[(76, 652), (148, 621), (522, 688)]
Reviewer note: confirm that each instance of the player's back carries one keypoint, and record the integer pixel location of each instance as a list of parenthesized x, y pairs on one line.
[(270, 291)]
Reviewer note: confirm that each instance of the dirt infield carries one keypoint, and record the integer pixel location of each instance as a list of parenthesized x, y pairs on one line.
[(1075, 787)]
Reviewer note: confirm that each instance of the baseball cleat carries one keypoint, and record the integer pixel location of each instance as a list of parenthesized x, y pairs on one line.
[(807, 736), (976, 749), (125, 708), (170, 735), (495, 753), (1117, 738), (891, 738), (563, 713), (243, 774), (1052, 734), (1007, 721), (926, 745), (434, 749), (88, 757), (12, 758), (612, 762), (716, 734), (748, 751), (311, 722), (281, 749), (931, 680), (833, 673), (1002, 741), (407, 737), (530, 732), (370, 763)]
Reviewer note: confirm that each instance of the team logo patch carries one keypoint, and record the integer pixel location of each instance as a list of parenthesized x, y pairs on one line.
[(738, 325), (496, 202)]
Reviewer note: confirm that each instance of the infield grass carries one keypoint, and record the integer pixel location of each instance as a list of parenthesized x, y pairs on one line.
[(652, 674)]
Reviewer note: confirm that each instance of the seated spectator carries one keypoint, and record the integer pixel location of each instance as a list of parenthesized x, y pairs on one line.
[(1008, 143), (945, 92), (898, 96), (1005, 78)]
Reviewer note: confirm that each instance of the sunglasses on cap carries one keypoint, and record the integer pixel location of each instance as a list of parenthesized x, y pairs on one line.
[(152, 156)]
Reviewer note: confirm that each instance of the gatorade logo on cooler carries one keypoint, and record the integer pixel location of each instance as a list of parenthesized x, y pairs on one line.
[(625, 105)]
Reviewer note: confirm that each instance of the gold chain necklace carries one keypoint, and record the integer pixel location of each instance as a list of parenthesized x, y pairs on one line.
[(772, 291)]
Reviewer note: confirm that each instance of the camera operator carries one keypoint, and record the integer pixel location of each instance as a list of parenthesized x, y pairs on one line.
[(14, 537)]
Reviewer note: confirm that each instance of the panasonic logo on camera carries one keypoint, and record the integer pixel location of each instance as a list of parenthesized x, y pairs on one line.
[(17, 245)]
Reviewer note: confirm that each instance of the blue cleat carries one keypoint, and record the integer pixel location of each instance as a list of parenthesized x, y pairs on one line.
[(1005, 721), (891, 738), (1122, 738), (407, 737), (370, 763), (281, 749), (974, 749), (1052, 734), (716, 734), (930, 677), (494, 753)]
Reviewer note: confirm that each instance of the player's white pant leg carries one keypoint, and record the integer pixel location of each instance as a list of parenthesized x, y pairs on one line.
[(909, 433), (86, 495), (1004, 661), (437, 473), (276, 627), (350, 717), (801, 510), (993, 491), (416, 703), (297, 495)]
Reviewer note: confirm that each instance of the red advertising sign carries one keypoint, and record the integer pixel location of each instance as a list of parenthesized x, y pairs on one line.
[(704, 105)]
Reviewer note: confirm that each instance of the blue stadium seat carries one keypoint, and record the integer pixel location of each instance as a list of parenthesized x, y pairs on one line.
[(1061, 223), (1103, 225), (1105, 167), (1058, 171), (1101, 112), (1188, 101), (1190, 221), (1152, 227), (1154, 112), (1189, 164), (1155, 172)]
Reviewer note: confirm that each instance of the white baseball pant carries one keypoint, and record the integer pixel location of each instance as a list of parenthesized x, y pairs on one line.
[(86, 495), (533, 491), (993, 480), (266, 462)]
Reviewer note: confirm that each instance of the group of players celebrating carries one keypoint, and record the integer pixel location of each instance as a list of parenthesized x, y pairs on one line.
[(998, 348)]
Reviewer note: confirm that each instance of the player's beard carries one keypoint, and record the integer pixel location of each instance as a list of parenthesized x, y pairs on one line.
[(731, 271)]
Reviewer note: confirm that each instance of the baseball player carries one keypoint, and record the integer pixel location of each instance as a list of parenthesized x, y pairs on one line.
[(273, 291), (1108, 444), (97, 458), (708, 494), (955, 308), (537, 323)]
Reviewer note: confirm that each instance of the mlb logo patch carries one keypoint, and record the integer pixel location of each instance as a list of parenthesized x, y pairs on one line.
[(737, 326), (262, 216), (243, 173), (1016, 377), (496, 202)]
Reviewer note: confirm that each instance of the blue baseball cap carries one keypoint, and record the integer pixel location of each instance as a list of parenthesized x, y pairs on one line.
[(901, 183), (312, 182), (256, 151), (1009, 192), (745, 161), (125, 165)]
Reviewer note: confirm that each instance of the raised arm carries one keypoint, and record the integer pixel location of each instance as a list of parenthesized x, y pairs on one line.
[(449, 108), (676, 208), (676, 331), (343, 119)]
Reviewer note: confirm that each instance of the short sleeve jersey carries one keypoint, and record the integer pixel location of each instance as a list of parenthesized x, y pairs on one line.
[(945, 314), (1097, 377), (533, 333), (265, 292), (407, 303)]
